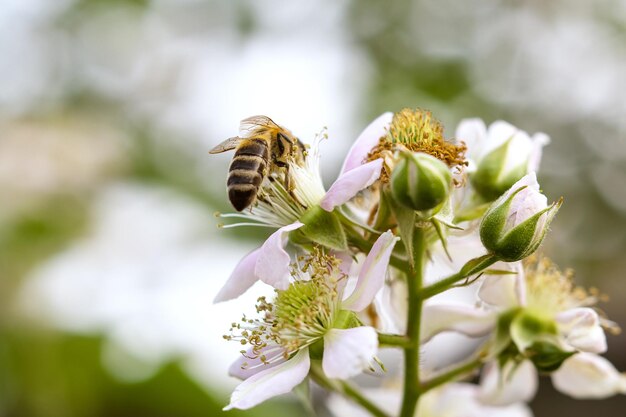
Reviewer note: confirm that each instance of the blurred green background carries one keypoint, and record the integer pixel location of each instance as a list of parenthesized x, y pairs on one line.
[(109, 254)]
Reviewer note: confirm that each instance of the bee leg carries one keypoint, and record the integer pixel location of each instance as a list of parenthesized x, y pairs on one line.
[(287, 181)]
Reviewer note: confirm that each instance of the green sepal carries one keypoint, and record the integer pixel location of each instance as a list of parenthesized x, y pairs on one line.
[(303, 394), (489, 180), (476, 265), (405, 219), (420, 182), (520, 241), (502, 338), (546, 356), (494, 221), (346, 319), (384, 216), (316, 350), (322, 227), (528, 328)]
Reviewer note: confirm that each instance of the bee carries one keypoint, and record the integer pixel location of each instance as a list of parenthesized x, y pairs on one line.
[(262, 148)]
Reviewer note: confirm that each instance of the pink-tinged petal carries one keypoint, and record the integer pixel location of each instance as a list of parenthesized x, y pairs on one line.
[(272, 266), (502, 290), (581, 329), (588, 376), (464, 319), (271, 382), (372, 275), (244, 367), (515, 382), (347, 352), (366, 141), (350, 183), (242, 278)]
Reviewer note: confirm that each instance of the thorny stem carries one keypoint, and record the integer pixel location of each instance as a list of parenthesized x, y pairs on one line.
[(412, 390), (346, 389)]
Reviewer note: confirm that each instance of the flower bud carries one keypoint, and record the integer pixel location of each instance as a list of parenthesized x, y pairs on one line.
[(515, 224), (499, 156), (420, 181)]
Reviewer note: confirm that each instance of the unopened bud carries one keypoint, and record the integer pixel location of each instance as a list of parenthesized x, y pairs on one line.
[(515, 224), (420, 181)]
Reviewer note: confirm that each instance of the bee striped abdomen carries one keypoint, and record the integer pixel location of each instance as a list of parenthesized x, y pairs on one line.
[(246, 172)]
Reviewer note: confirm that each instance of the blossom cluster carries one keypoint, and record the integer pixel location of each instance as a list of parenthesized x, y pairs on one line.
[(371, 262)]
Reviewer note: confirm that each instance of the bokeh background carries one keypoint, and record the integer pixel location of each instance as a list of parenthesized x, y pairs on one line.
[(109, 251)]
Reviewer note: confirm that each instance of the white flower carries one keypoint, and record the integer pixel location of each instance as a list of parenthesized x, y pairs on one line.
[(541, 306), (499, 156), (452, 400), (311, 313)]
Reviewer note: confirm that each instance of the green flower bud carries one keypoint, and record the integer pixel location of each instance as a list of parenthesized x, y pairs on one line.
[(496, 173), (421, 182), (515, 225)]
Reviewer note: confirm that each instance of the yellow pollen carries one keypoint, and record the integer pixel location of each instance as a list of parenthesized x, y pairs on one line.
[(551, 290), (417, 131)]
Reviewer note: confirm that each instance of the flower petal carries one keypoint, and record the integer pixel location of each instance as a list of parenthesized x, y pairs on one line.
[(372, 275), (586, 376), (464, 319), (503, 291), (581, 329), (387, 399), (472, 132), (272, 266), (463, 400), (244, 367), (498, 133), (347, 352), (350, 183), (271, 382), (539, 141), (515, 382), (242, 278), (366, 141)]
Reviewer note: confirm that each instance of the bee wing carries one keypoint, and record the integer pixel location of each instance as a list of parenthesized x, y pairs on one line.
[(227, 145), (251, 125)]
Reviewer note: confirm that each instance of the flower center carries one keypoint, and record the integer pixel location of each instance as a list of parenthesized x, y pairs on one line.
[(549, 290), (417, 131), (298, 316)]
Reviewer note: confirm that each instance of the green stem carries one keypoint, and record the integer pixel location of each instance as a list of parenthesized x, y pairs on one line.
[(397, 340), (444, 284), (346, 389), (411, 391), (450, 375)]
